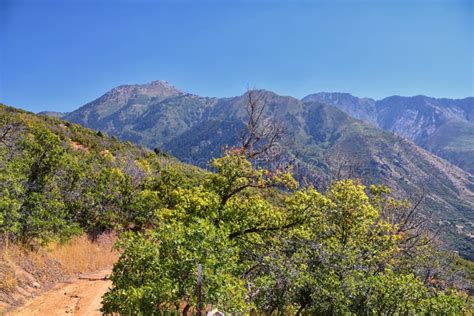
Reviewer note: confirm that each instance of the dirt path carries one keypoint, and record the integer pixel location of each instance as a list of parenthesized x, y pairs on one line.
[(80, 296)]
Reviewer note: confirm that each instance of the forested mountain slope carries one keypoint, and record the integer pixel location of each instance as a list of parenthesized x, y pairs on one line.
[(59, 179), (146, 114), (444, 127)]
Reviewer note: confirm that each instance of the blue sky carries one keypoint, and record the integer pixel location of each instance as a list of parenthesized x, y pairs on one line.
[(59, 55)]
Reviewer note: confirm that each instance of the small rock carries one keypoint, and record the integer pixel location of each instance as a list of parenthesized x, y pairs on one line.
[(36, 285)]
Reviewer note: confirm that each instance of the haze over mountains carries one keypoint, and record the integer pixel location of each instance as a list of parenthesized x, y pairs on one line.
[(321, 131)]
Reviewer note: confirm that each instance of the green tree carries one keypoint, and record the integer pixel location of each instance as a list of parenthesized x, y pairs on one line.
[(207, 224), (42, 212)]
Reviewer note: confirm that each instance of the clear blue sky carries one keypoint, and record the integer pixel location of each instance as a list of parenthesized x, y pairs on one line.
[(58, 55)]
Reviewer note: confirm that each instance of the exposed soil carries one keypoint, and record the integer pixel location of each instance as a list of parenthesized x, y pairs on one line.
[(78, 296)]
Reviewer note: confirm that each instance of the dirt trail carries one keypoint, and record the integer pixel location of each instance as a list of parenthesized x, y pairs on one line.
[(79, 296)]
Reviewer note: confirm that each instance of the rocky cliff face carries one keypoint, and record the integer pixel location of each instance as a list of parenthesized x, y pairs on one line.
[(360, 108), (445, 127)]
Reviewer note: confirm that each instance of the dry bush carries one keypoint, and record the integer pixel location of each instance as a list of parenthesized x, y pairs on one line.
[(82, 255)]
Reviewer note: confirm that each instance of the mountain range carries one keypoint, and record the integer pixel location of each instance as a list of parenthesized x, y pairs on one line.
[(444, 127), (416, 145)]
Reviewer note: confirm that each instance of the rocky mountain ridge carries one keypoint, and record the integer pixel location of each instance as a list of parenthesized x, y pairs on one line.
[(443, 126)]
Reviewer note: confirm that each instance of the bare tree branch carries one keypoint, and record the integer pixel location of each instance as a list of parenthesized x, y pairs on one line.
[(261, 140)]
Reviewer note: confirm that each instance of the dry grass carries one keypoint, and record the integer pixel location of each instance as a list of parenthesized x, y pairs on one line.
[(8, 280), (25, 272), (82, 255)]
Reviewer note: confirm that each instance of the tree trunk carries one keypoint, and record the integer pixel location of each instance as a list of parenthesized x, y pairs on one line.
[(186, 309)]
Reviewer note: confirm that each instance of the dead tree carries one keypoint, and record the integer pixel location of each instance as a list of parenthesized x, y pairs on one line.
[(261, 142), (263, 135)]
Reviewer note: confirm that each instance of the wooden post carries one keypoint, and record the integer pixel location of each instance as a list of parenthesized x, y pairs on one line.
[(199, 290)]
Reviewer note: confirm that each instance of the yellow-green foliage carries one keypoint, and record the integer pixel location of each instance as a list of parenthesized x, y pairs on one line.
[(319, 253)]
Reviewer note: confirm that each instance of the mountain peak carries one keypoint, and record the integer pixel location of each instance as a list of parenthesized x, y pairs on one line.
[(150, 83), (162, 84), (120, 97), (160, 88)]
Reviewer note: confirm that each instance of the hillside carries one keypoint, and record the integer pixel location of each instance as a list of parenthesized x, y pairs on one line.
[(444, 127), (65, 193), (318, 138), (59, 179)]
